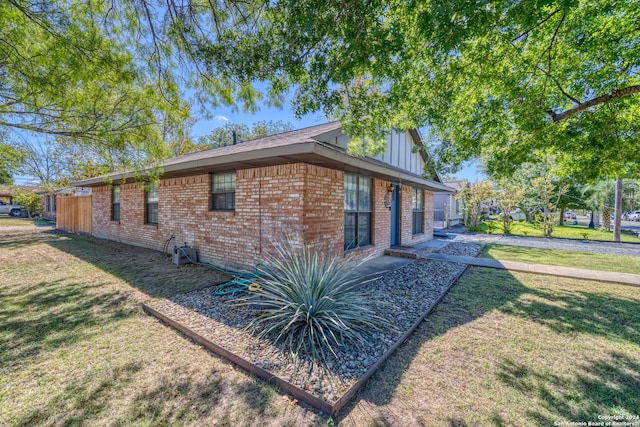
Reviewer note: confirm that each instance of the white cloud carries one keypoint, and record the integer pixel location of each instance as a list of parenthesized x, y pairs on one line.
[(221, 118)]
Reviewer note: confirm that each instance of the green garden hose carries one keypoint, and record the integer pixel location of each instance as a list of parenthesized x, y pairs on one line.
[(241, 281)]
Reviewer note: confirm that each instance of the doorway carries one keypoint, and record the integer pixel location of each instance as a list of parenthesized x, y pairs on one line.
[(395, 215)]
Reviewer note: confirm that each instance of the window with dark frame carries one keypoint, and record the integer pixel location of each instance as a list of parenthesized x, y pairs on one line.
[(357, 211), (223, 191), (418, 213), (151, 208), (115, 203)]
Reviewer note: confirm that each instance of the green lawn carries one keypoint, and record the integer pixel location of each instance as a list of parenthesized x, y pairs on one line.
[(588, 260), (501, 349), (7, 221), (517, 349), (580, 231), (76, 348)]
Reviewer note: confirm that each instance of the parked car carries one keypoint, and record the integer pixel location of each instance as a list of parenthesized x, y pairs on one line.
[(13, 210), (516, 215), (634, 216)]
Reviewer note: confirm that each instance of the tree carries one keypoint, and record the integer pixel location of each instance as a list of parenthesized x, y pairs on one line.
[(232, 133), (29, 199), (10, 159), (64, 76), (600, 196), (512, 80), (549, 197), (46, 162), (508, 197), (473, 196), (509, 80)]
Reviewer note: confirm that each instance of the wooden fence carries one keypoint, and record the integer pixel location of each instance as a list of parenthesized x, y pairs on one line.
[(74, 214)]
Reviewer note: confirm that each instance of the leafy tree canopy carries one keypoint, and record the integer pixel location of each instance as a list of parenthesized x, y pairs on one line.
[(10, 159), (63, 75), (224, 135), (509, 80)]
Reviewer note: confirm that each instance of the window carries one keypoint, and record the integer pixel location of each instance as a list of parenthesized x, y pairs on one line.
[(223, 192), (115, 203), (357, 211), (151, 197), (418, 214)]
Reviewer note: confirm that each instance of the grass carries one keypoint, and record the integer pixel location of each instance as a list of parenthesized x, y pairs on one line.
[(8, 221), (580, 231), (501, 349), (76, 348), (507, 349), (588, 260)]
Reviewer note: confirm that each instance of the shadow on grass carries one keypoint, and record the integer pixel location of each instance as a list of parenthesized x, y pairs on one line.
[(604, 387), (175, 400), (145, 269), (39, 317), (50, 315), (61, 310), (603, 384)]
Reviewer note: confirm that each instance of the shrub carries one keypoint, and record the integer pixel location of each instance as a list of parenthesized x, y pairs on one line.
[(490, 227), (308, 302), (29, 199)]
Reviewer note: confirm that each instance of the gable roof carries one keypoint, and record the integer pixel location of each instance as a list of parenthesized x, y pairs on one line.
[(301, 145)]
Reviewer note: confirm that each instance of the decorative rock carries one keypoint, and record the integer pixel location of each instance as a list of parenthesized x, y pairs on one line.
[(400, 298)]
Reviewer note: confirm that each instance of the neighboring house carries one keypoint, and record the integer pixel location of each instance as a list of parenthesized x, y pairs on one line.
[(232, 203), (7, 192), (448, 210), (49, 200)]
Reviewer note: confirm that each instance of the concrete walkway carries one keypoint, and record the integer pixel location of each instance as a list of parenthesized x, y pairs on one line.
[(625, 249), (552, 270)]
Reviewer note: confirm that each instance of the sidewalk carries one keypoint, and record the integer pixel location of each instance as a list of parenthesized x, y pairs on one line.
[(552, 270), (404, 255)]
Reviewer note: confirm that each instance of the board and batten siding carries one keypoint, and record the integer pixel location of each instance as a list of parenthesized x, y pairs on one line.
[(398, 153)]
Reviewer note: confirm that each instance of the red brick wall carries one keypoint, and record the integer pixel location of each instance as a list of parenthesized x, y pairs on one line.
[(303, 201), (428, 215), (406, 217), (323, 211), (299, 200)]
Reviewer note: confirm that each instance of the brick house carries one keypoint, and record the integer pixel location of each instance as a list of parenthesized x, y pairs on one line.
[(231, 203)]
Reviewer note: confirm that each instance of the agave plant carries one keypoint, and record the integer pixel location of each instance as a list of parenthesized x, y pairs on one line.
[(308, 300)]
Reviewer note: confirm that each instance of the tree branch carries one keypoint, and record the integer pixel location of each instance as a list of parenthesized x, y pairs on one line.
[(618, 93), (560, 88), (535, 26)]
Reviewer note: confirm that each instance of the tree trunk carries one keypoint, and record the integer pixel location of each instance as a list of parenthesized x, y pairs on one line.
[(591, 222), (617, 212), (562, 211), (606, 219)]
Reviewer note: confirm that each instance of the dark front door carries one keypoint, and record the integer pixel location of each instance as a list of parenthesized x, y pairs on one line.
[(395, 215)]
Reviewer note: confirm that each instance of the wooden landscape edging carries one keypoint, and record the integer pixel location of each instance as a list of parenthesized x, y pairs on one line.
[(296, 392), (291, 389)]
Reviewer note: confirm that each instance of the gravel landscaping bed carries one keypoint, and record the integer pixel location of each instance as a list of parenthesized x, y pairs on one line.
[(400, 298)]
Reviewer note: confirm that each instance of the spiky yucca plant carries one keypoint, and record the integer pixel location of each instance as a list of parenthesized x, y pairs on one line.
[(308, 301)]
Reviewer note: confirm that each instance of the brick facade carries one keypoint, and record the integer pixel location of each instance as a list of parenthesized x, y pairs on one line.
[(303, 201), (407, 238)]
